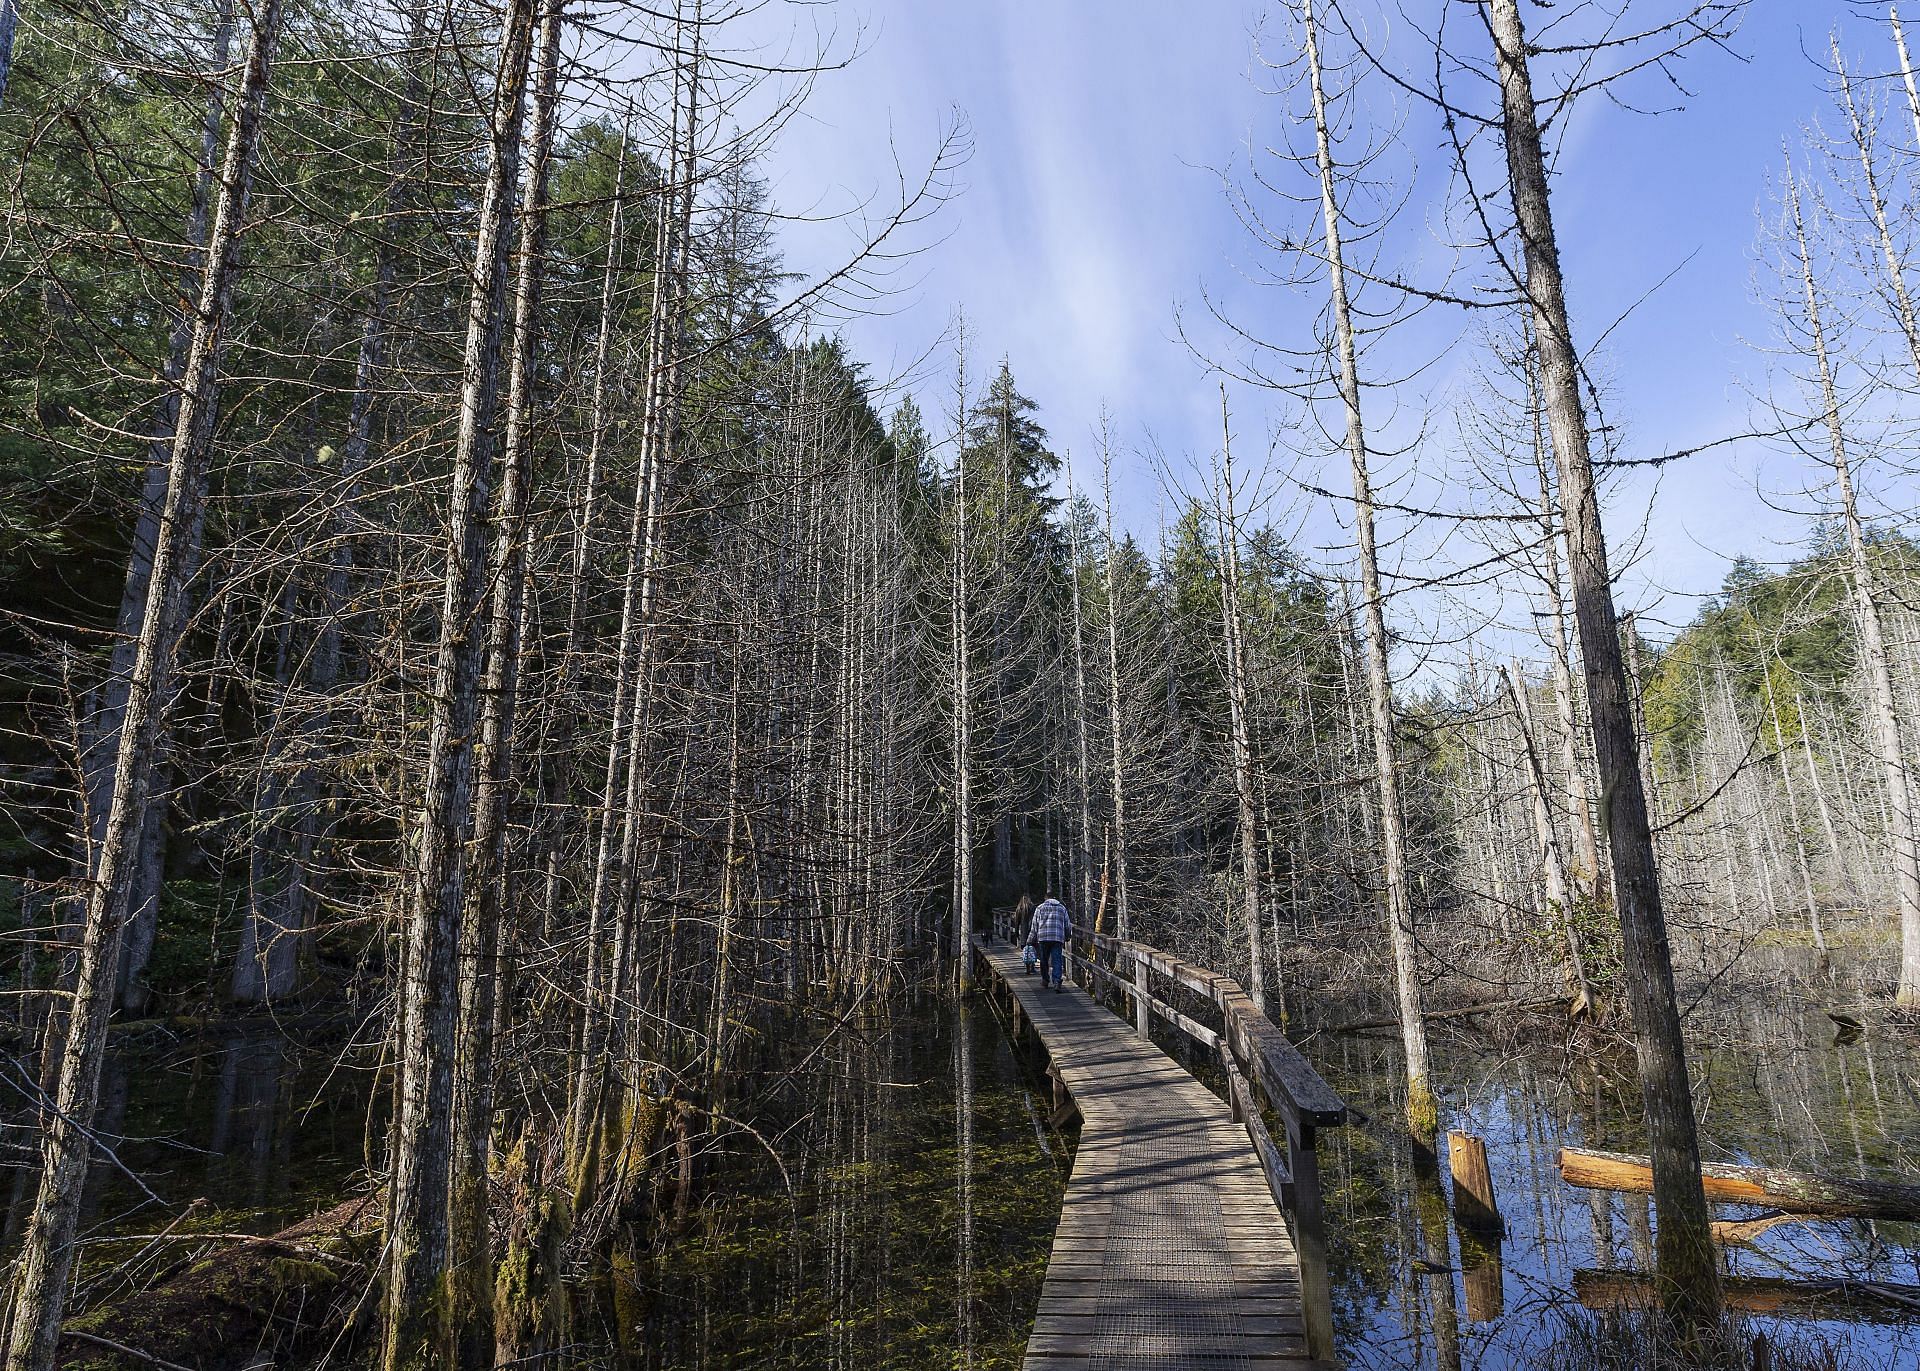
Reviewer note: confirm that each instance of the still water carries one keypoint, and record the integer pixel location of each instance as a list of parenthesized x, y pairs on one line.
[(1774, 1088), (911, 1228), (883, 1195)]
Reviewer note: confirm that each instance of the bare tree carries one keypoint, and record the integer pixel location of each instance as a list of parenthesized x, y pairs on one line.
[(1688, 1270), (40, 1285), (417, 1207)]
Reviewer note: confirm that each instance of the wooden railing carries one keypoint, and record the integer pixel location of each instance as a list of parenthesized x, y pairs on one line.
[(1265, 1075)]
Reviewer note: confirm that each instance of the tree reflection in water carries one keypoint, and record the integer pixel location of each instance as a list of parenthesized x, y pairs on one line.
[(1773, 1087)]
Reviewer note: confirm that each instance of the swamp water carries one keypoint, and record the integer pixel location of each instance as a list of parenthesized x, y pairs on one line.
[(1774, 1088), (889, 1200)]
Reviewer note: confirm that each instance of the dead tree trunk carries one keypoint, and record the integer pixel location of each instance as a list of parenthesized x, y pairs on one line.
[(102, 731), (1553, 865), (1084, 792), (1906, 73), (1233, 628), (417, 1233), (1876, 205), (1117, 778), (1586, 847), (1686, 1258), (1423, 1118), (1797, 1192), (46, 1258), (1882, 705), (961, 719), (480, 935)]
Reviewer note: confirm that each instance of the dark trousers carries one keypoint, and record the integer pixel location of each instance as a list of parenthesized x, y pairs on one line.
[(1053, 963)]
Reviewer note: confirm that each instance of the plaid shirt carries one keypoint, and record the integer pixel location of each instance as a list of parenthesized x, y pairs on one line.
[(1051, 923)]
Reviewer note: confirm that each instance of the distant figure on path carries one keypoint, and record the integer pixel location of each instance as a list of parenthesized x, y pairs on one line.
[(1023, 929), (1051, 928)]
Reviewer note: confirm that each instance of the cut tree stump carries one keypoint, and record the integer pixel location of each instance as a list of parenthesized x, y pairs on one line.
[(1474, 1206), (1796, 1192)]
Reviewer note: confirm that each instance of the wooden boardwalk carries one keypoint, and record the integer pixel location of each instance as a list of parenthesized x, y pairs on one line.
[(1171, 1252)]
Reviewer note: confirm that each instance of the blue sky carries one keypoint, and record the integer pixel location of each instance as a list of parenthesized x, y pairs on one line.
[(1089, 219)]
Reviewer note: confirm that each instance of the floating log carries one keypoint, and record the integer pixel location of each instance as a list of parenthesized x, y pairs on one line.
[(1474, 1206), (1774, 1296), (1796, 1192)]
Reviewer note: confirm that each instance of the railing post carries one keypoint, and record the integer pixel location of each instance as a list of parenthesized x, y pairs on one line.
[(1310, 1240), (1140, 992)]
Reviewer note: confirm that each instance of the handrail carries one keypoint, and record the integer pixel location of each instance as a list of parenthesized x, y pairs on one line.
[(1260, 1064)]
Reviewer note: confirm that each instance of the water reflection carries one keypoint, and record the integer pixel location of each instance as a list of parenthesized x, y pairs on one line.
[(1773, 1087), (915, 1229)]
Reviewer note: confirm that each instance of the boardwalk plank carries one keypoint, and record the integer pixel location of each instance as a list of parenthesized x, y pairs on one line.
[(1170, 1251)]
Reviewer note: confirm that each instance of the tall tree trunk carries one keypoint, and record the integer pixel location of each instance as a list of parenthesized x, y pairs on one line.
[(417, 1233), (1084, 789), (961, 721), (101, 733), (46, 1258), (1117, 776), (1553, 866), (1862, 134), (1814, 930), (1586, 848), (1690, 1279), (1875, 664), (610, 880), (599, 419), (1906, 74), (1233, 628), (1423, 1116), (479, 969)]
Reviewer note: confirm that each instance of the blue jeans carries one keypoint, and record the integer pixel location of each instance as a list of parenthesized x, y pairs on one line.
[(1053, 963)]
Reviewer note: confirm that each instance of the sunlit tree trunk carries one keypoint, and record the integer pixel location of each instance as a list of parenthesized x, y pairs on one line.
[(416, 1308), (1117, 774), (480, 970), (1586, 849), (1881, 704), (1422, 1109), (1906, 74), (1553, 864), (1084, 787), (1688, 1268), (1233, 631), (1876, 204)]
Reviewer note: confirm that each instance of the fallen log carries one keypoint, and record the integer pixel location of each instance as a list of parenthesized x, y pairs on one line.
[(1773, 1296), (1795, 1192), (241, 1296), (1732, 1232)]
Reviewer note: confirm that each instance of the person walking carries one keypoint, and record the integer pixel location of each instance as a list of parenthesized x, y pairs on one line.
[(1051, 928)]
